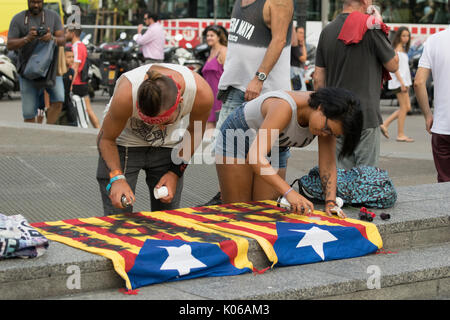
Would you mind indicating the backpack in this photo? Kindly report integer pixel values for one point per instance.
(360, 186)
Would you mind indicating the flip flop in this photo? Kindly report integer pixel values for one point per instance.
(407, 139)
(384, 131)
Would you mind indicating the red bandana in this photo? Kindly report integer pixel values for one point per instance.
(166, 115)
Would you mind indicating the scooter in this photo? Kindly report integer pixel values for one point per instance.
(9, 80)
(185, 56)
(117, 57)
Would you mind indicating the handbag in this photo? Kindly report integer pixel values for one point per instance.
(40, 61)
(62, 67)
(49, 80)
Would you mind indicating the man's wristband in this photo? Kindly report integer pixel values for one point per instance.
(178, 169)
(114, 173)
(118, 177)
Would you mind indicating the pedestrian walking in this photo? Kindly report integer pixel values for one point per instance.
(435, 61)
(80, 85)
(400, 83)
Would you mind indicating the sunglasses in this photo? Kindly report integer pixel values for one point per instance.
(165, 117)
(326, 129)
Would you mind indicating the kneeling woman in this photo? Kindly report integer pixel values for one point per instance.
(253, 147)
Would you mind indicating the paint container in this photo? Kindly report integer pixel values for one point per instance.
(283, 203)
(160, 192)
(339, 202)
(125, 202)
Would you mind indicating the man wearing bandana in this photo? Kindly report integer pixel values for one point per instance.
(149, 125)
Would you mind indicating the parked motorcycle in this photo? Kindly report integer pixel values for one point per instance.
(9, 80)
(117, 57)
(189, 57)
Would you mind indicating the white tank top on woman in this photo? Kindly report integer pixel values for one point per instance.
(137, 133)
(405, 73)
(293, 135)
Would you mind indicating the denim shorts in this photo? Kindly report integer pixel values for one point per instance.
(236, 137)
(31, 95)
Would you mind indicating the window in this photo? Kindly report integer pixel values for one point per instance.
(396, 11)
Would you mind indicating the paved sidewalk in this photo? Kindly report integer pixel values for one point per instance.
(49, 174)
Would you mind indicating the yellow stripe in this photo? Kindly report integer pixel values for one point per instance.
(266, 245)
(241, 260)
(117, 260)
(373, 235)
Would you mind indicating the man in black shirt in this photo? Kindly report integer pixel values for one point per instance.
(358, 67)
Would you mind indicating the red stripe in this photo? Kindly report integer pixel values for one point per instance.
(208, 222)
(104, 231)
(414, 30)
(361, 228)
(229, 247)
(128, 256)
(142, 230)
(423, 30)
(344, 223)
(38, 224)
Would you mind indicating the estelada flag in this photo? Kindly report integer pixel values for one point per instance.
(154, 247)
(287, 238)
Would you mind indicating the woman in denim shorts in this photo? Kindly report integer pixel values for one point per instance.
(253, 147)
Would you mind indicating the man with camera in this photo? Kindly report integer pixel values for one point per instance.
(27, 28)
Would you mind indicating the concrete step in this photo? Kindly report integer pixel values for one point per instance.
(418, 273)
(419, 218)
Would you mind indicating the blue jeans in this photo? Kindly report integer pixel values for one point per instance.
(236, 137)
(31, 96)
(234, 99)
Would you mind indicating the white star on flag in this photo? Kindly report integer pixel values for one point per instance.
(181, 259)
(315, 237)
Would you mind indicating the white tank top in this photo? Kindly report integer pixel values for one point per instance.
(403, 69)
(248, 40)
(137, 133)
(293, 135)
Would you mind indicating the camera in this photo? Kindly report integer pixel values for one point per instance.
(41, 31)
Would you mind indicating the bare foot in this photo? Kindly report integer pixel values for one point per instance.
(405, 139)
